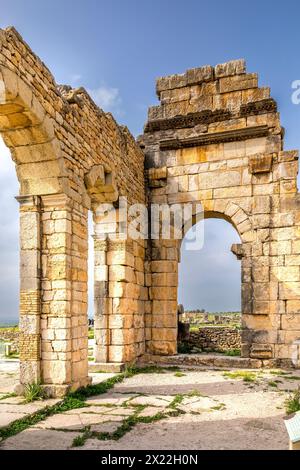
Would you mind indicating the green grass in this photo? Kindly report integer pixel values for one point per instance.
(233, 352)
(241, 374)
(195, 393)
(9, 329)
(272, 384)
(130, 422)
(292, 403)
(178, 399)
(8, 395)
(219, 407)
(179, 374)
(91, 334)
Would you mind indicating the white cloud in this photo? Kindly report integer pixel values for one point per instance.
(107, 98)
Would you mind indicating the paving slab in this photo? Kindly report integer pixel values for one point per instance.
(8, 418)
(40, 439)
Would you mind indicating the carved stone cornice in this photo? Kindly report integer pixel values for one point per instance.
(259, 107)
(188, 120)
(208, 117)
(216, 138)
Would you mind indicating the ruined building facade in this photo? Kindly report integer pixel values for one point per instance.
(215, 138)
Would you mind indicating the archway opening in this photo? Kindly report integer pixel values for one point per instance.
(9, 255)
(209, 292)
(91, 299)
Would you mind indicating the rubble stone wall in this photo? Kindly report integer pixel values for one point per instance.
(216, 339)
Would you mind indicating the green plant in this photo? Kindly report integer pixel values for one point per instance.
(79, 441)
(233, 352)
(8, 395)
(292, 403)
(179, 374)
(91, 334)
(241, 374)
(219, 407)
(33, 392)
(272, 384)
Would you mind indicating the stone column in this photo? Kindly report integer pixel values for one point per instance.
(64, 295)
(125, 305)
(163, 293)
(30, 290)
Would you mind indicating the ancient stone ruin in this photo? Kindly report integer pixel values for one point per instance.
(215, 138)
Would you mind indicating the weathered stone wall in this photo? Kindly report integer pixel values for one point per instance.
(216, 138)
(216, 339)
(70, 157)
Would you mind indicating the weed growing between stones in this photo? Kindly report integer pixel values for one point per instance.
(33, 392)
(179, 374)
(130, 422)
(241, 374)
(8, 395)
(292, 403)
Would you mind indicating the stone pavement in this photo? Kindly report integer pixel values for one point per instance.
(203, 409)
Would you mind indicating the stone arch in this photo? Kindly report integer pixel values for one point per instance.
(28, 132)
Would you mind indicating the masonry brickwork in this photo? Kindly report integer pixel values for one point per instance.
(215, 138)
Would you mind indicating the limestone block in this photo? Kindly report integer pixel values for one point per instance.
(122, 258)
(164, 321)
(56, 372)
(121, 274)
(230, 101)
(289, 290)
(238, 82)
(116, 354)
(125, 306)
(292, 260)
(164, 279)
(163, 293)
(164, 334)
(234, 67)
(232, 192)
(124, 336)
(261, 205)
(255, 94)
(285, 273)
(120, 321)
(172, 96)
(199, 75)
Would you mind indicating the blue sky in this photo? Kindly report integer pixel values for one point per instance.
(116, 49)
